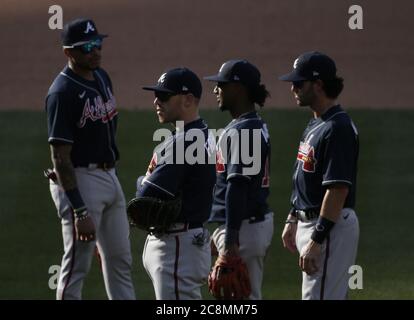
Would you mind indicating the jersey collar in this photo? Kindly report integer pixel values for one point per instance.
(70, 73)
(195, 124)
(247, 115)
(331, 111)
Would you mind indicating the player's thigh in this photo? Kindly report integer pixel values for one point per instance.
(303, 234)
(94, 191)
(344, 239)
(59, 199)
(113, 232)
(196, 253)
(255, 238)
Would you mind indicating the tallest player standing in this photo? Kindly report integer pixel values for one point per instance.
(82, 122)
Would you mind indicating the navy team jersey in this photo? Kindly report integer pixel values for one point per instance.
(258, 184)
(193, 182)
(328, 154)
(83, 113)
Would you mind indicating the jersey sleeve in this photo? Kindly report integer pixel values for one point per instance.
(60, 118)
(236, 202)
(164, 183)
(339, 159)
(166, 179)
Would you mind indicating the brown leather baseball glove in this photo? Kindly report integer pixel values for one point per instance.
(229, 279)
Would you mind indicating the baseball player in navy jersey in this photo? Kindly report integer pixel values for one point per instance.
(240, 197)
(322, 224)
(82, 122)
(178, 261)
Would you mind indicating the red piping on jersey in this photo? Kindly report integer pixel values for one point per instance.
(325, 267)
(177, 255)
(73, 257)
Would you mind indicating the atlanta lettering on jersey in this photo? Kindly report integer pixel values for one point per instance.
(98, 109)
(152, 165)
(220, 162)
(306, 155)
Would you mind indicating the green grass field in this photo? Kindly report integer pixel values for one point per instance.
(30, 238)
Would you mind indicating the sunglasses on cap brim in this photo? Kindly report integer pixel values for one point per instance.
(89, 46)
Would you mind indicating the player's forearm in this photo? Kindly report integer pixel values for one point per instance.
(63, 166)
(67, 179)
(236, 207)
(333, 202)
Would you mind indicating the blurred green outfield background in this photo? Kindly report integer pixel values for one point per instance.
(30, 230)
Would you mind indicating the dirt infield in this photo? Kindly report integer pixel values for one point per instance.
(148, 36)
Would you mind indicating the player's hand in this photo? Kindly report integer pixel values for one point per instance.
(230, 251)
(289, 235)
(85, 229)
(310, 257)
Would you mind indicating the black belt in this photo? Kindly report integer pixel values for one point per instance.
(181, 227)
(306, 215)
(99, 165)
(251, 219)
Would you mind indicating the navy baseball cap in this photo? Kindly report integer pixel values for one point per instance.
(237, 71)
(178, 81)
(80, 31)
(311, 66)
